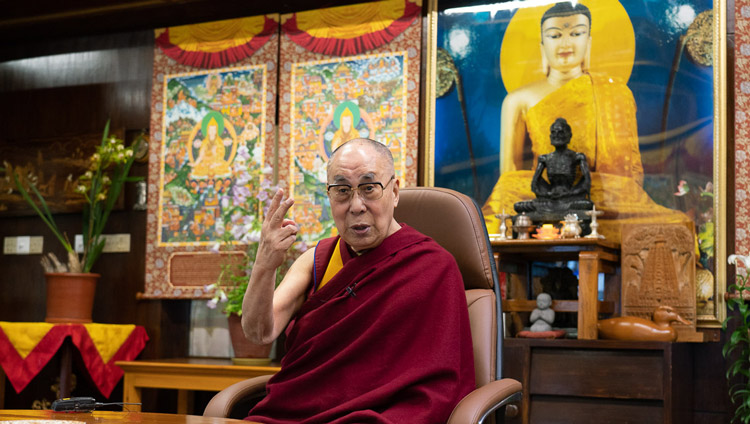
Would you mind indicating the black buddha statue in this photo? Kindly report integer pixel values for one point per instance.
(568, 185)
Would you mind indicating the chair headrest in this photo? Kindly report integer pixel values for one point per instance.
(453, 220)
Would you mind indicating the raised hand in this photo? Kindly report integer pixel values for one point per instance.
(277, 233)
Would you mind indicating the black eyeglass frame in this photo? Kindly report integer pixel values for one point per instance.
(351, 196)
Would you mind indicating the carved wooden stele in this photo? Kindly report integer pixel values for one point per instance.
(658, 268)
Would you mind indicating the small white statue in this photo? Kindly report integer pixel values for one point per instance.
(542, 316)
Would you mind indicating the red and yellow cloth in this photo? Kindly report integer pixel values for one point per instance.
(26, 347)
(216, 44)
(350, 30)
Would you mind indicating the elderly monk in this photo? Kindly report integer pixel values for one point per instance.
(376, 319)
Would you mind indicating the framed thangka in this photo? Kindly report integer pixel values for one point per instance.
(212, 133)
(348, 72)
(642, 85)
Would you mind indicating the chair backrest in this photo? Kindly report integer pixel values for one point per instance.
(454, 221)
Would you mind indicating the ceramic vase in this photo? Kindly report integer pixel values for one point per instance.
(70, 296)
(245, 352)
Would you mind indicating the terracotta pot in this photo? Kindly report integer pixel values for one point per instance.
(243, 348)
(70, 296)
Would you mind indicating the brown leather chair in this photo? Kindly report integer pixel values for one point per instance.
(455, 222)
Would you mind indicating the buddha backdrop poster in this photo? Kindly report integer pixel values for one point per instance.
(641, 109)
(212, 148)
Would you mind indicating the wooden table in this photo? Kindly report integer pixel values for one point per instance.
(111, 417)
(185, 375)
(593, 256)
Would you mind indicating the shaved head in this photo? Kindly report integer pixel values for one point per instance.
(380, 149)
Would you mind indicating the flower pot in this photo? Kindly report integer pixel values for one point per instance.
(245, 352)
(70, 296)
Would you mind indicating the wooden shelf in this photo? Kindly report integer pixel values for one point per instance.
(522, 305)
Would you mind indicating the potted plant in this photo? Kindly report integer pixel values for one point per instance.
(242, 225)
(737, 345)
(71, 284)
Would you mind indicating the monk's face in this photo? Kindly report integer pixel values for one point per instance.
(363, 224)
(212, 130)
(565, 41)
(346, 123)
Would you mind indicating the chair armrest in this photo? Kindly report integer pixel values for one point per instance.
(481, 402)
(222, 403)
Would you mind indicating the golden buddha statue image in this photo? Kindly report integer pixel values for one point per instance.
(346, 117)
(212, 160)
(600, 110)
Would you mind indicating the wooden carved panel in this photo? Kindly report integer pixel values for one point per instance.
(658, 268)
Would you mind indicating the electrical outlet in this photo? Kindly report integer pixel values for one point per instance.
(116, 243)
(9, 245)
(23, 245)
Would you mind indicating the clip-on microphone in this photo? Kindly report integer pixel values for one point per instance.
(81, 404)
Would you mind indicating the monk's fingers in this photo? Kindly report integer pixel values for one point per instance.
(278, 215)
(288, 222)
(287, 242)
(273, 235)
(275, 201)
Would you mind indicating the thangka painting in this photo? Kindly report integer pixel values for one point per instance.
(348, 72)
(212, 132)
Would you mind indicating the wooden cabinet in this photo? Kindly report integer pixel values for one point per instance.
(601, 381)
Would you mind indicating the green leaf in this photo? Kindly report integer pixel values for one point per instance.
(46, 217)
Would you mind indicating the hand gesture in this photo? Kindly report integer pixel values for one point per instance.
(277, 233)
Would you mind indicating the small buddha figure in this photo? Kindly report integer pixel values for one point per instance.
(542, 316)
(346, 130)
(568, 184)
(211, 160)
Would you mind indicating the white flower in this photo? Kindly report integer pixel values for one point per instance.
(224, 297)
(732, 259)
(212, 303)
(209, 287)
(215, 248)
(243, 178)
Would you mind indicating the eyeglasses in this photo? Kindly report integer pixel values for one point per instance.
(343, 193)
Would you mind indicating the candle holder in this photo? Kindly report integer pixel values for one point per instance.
(594, 225)
(503, 230)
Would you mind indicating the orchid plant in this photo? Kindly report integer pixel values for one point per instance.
(101, 186)
(738, 342)
(240, 223)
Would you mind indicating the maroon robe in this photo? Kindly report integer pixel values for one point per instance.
(386, 340)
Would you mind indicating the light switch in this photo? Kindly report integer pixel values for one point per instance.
(116, 243)
(23, 245)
